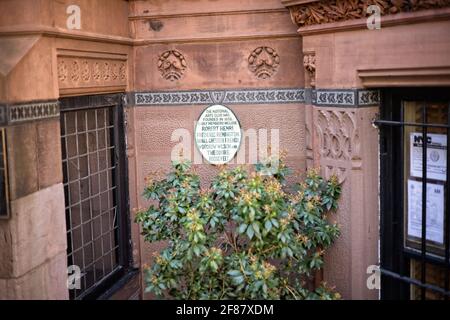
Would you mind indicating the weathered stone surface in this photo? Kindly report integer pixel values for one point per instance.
(49, 153)
(48, 281)
(22, 160)
(38, 229)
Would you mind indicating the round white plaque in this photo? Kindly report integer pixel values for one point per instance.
(218, 134)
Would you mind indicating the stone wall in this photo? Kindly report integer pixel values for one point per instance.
(216, 43)
(342, 55)
(34, 39)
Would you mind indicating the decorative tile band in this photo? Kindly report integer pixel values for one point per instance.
(12, 114)
(369, 97)
(345, 97)
(3, 114)
(238, 96)
(320, 97)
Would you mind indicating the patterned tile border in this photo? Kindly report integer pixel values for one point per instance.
(18, 113)
(345, 97)
(321, 97)
(238, 96)
(369, 97)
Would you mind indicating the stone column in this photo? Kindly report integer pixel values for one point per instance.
(33, 259)
(345, 144)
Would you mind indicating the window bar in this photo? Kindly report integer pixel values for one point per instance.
(90, 194)
(447, 212)
(402, 267)
(83, 268)
(100, 204)
(109, 161)
(409, 123)
(424, 200)
(69, 246)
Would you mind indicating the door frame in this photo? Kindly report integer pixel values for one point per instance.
(394, 259)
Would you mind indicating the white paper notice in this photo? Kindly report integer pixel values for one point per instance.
(435, 211)
(436, 155)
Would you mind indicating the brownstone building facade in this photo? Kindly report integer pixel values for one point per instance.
(92, 91)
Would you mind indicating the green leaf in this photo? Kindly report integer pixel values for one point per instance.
(255, 226)
(214, 266)
(242, 228)
(238, 280)
(234, 273)
(250, 232)
(275, 222)
(196, 250)
(268, 225)
(251, 215)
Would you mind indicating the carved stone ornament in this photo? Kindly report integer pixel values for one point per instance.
(326, 11)
(172, 65)
(263, 62)
(338, 139)
(76, 72)
(309, 62)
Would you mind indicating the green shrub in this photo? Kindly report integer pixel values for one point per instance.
(246, 237)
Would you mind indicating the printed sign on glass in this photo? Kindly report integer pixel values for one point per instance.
(436, 155)
(434, 211)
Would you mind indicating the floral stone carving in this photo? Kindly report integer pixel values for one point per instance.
(338, 139)
(309, 62)
(326, 11)
(172, 65)
(263, 62)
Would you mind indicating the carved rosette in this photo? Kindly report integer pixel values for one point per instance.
(338, 141)
(326, 11)
(263, 62)
(309, 63)
(172, 65)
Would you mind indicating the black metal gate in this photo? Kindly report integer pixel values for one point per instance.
(94, 170)
(414, 134)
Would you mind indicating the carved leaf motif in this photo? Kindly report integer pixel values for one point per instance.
(263, 62)
(172, 65)
(62, 71)
(326, 11)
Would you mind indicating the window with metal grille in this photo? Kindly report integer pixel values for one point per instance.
(414, 193)
(96, 209)
(4, 195)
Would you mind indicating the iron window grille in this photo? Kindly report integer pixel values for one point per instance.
(407, 266)
(95, 187)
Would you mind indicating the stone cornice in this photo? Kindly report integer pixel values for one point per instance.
(88, 36)
(405, 77)
(63, 33)
(290, 3)
(311, 13)
(200, 14)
